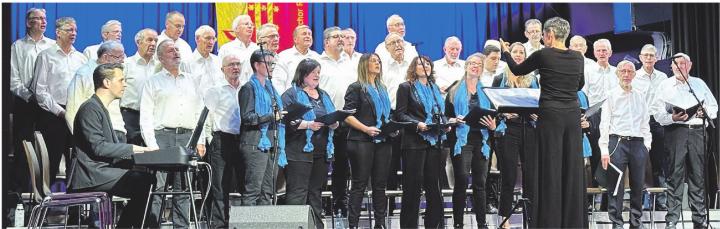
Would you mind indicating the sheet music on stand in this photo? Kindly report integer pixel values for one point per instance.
(514, 100)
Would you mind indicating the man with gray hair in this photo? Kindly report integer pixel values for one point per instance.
(685, 133)
(601, 77)
(203, 64)
(396, 24)
(174, 28)
(54, 68)
(450, 68)
(81, 87)
(269, 37)
(291, 57)
(110, 31)
(534, 35)
(648, 79)
(242, 45)
(139, 68)
(170, 107)
(349, 48)
(23, 54)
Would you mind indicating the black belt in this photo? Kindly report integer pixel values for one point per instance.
(253, 127)
(689, 126)
(178, 130)
(627, 138)
(129, 110)
(220, 133)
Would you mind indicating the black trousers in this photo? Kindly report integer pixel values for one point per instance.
(686, 148)
(133, 185)
(470, 159)
(368, 160)
(58, 140)
(228, 172)
(24, 117)
(508, 155)
(633, 156)
(562, 193)
(422, 170)
(305, 182)
(594, 137)
(394, 180)
(658, 159)
(340, 171)
(132, 126)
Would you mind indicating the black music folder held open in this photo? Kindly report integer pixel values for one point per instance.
(393, 126)
(514, 100)
(593, 110)
(336, 116)
(690, 110)
(295, 111)
(601, 176)
(473, 117)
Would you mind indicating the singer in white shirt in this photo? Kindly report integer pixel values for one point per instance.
(396, 24)
(625, 141)
(450, 68)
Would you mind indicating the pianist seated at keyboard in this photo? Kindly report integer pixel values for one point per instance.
(98, 149)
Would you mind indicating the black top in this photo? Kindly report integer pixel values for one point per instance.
(295, 138)
(97, 147)
(357, 98)
(410, 108)
(561, 71)
(250, 127)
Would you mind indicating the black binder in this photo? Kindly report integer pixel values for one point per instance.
(336, 116)
(391, 127)
(473, 117)
(295, 111)
(690, 111)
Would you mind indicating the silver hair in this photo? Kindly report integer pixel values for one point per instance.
(298, 28)
(559, 26)
(687, 58)
(261, 32)
(140, 35)
(173, 13)
(478, 55)
(532, 21)
(603, 41)
(623, 62)
(203, 29)
(236, 21)
(161, 47)
(108, 46)
(106, 27)
(227, 57)
(649, 47)
(391, 18)
(578, 37)
(328, 31)
(349, 29)
(60, 22)
(31, 11)
(451, 39)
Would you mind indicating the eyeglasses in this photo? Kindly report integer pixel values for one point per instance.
(272, 36)
(648, 55)
(474, 63)
(424, 62)
(398, 24)
(179, 26)
(234, 64)
(271, 64)
(625, 71)
(336, 36)
(38, 18)
(118, 57)
(397, 42)
(249, 25)
(72, 30)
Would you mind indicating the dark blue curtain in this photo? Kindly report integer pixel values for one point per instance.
(133, 16)
(429, 23)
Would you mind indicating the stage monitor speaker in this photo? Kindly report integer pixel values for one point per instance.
(284, 216)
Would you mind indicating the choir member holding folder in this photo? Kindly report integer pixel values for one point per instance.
(308, 145)
(419, 102)
(470, 141)
(368, 149)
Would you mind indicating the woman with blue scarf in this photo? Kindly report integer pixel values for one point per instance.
(470, 141)
(309, 146)
(509, 145)
(256, 131)
(418, 100)
(369, 151)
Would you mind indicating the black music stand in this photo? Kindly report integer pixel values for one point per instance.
(522, 101)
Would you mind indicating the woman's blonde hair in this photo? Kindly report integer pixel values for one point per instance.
(454, 88)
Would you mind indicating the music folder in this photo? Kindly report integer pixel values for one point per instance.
(593, 110)
(473, 117)
(295, 111)
(514, 100)
(601, 176)
(336, 116)
(393, 126)
(689, 110)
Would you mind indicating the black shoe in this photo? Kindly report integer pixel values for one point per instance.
(661, 207)
(700, 225)
(617, 226)
(458, 225)
(491, 209)
(670, 225)
(380, 224)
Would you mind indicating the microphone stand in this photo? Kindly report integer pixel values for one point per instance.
(706, 120)
(438, 116)
(275, 125)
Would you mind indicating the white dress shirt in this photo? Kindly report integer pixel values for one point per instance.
(23, 54)
(180, 44)
(81, 88)
(137, 72)
(646, 83)
(624, 114)
(678, 93)
(335, 77)
(529, 48)
(289, 59)
(354, 59)
(393, 75)
(207, 69)
(487, 78)
(598, 82)
(238, 48)
(381, 50)
(90, 52)
(222, 102)
(169, 102)
(446, 73)
(53, 71)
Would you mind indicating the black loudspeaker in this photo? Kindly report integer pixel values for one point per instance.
(285, 216)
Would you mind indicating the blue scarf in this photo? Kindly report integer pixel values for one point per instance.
(263, 106)
(381, 101)
(303, 98)
(533, 84)
(427, 97)
(587, 151)
(462, 107)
